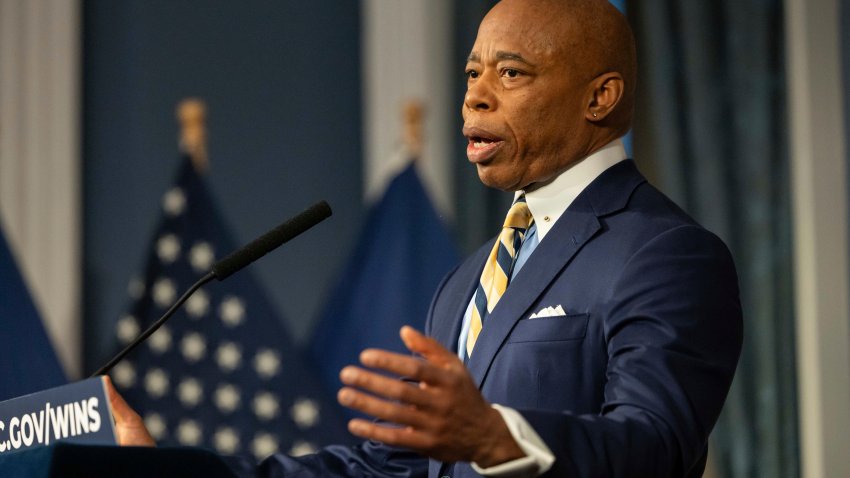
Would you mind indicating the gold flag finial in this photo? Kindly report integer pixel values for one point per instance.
(413, 114)
(192, 115)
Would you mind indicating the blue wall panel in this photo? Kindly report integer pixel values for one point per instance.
(282, 84)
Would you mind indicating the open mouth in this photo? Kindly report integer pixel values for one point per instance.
(481, 149)
(482, 145)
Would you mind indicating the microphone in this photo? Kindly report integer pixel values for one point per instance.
(271, 240)
(233, 263)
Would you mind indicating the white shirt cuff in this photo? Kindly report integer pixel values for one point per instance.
(538, 459)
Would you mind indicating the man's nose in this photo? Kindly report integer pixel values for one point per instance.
(479, 95)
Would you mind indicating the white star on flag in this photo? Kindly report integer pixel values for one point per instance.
(168, 248)
(136, 288)
(193, 347)
(127, 329)
(174, 202)
(263, 445)
(227, 398)
(232, 311)
(301, 448)
(190, 392)
(201, 256)
(305, 412)
(226, 440)
(124, 374)
(156, 383)
(266, 363)
(160, 341)
(155, 425)
(189, 432)
(198, 305)
(164, 292)
(265, 406)
(228, 356)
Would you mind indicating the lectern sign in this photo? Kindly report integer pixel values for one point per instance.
(78, 412)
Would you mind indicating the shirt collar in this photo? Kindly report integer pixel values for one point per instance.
(548, 202)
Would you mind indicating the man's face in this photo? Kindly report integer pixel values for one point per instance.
(525, 103)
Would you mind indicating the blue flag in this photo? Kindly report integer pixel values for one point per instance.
(222, 373)
(402, 254)
(27, 359)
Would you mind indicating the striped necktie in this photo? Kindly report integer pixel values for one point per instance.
(497, 271)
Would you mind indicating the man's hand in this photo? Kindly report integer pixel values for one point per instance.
(444, 416)
(129, 427)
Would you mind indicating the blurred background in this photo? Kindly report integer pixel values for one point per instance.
(741, 118)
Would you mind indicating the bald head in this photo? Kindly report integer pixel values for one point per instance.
(591, 36)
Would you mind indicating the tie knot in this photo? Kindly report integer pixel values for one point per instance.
(519, 216)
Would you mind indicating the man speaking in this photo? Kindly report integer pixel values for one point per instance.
(597, 335)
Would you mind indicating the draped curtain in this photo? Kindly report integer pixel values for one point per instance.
(711, 131)
(845, 41)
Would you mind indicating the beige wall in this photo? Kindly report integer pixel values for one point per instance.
(40, 159)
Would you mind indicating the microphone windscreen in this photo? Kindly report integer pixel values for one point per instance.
(271, 240)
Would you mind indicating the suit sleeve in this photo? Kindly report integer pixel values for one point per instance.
(673, 331)
(368, 459)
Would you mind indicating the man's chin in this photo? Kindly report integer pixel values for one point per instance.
(490, 177)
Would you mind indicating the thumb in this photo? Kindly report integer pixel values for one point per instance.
(120, 409)
(129, 428)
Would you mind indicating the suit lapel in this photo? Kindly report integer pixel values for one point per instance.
(607, 194)
(571, 232)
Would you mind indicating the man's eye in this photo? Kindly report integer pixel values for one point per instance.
(510, 73)
(471, 74)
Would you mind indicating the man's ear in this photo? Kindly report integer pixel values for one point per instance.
(605, 94)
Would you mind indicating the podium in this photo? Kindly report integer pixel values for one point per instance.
(92, 461)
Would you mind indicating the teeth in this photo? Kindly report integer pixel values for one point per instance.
(481, 142)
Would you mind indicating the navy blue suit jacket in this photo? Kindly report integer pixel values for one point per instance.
(631, 381)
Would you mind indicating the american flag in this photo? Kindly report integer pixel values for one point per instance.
(222, 373)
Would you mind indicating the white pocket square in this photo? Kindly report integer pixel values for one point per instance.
(549, 312)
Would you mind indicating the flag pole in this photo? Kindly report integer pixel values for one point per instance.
(192, 115)
(413, 113)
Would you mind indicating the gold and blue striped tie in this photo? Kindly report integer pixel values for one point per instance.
(497, 271)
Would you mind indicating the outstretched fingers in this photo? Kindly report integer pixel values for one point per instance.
(406, 366)
(385, 410)
(407, 437)
(387, 387)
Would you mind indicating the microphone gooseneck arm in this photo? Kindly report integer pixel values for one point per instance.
(156, 325)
